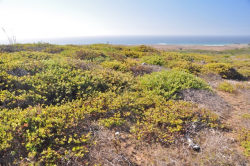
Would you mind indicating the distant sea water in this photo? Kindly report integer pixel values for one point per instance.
(131, 40)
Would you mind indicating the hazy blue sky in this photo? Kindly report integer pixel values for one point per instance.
(70, 18)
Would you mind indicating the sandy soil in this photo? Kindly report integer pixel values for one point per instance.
(198, 47)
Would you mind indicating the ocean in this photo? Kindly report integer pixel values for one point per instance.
(131, 40)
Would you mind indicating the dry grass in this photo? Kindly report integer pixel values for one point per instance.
(108, 149)
(216, 149)
(146, 69)
(207, 100)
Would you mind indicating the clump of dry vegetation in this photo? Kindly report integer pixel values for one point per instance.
(207, 99)
(115, 105)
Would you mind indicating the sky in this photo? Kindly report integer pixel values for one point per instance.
(34, 19)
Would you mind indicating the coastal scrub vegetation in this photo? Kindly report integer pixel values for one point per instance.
(117, 105)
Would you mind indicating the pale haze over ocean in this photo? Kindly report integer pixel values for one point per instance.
(162, 40)
(208, 22)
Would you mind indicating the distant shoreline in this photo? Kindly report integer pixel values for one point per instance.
(192, 46)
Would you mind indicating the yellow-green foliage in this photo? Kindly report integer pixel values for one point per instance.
(246, 116)
(167, 121)
(144, 48)
(54, 81)
(135, 54)
(153, 60)
(116, 65)
(186, 66)
(167, 83)
(223, 69)
(116, 56)
(53, 49)
(47, 134)
(226, 86)
(87, 55)
(47, 110)
(245, 140)
(243, 67)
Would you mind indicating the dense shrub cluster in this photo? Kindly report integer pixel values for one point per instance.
(87, 55)
(223, 69)
(54, 99)
(153, 60)
(168, 83)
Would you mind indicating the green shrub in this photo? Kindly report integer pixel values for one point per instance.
(153, 60)
(168, 121)
(58, 82)
(245, 72)
(246, 116)
(226, 86)
(116, 56)
(135, 54)
(167, 83)
(88, 54)
(116, 65)
(186, 66)
(48, 135)
(223, 69)
(244, 137)
(53, 49)
(144, 48)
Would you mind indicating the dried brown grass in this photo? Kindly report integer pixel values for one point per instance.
(140, 70)
(216, 150)
(207, 100)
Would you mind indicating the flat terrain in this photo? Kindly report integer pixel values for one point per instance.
(198, 47)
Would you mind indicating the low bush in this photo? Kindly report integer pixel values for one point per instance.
(223, 69)
(186, 66)
(168, 121)
(58, 108)
(116, 56)
(88, 54)
(58, 82)
(116, 65)
(226, 87)
(51, 135)
(168, 83)
(135, 54)
(246, 116)
(244, 137)
(53, 49)
(153, 60)
(144, 48)
(10, 48)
